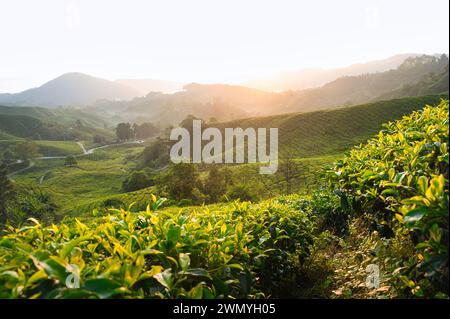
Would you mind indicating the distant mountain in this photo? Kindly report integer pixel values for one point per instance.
(416, 76)
(315, 77)
(145, 86)
(70, 89)
(353, 90)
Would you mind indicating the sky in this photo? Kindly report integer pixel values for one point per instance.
(228, 41)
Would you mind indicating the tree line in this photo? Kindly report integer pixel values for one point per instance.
(128, 131)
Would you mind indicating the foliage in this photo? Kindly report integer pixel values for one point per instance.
(400, 181)
(31, 202)
(26, 150)
(124, 131)
(70, 161)
(241, 192)
(215, 184)
(6, 193)
(156, 154)
(144, 130)
(181, 180)
(238, 251)
(99, 139)
(137, 180)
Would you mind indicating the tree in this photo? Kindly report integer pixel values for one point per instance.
(156, 154)
(70, 161)
(26, 150)
(6, 193)
(144, 130)
(215, 184)
(241, 192)
(8, 157)
(137, 180)
(124, 131)
(98, 139)
(181, 180)
(135, 129)
(188, 122)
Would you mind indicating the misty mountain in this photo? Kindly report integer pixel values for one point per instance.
(221, 101)
(430, 84)
(315, 77)
(353, 90)
(419, 75)
(145, 86)
(70, 89)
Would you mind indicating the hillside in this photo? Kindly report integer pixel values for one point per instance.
(432, 83)
(336, 130)
(62, 116)
(353, 90)
(314, 140)
(228, 102)
(386, 205)
(309, 78)
(70, 89)
(58, 124)
(223, 102)
(29, 127)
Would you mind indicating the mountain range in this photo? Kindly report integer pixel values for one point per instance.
(315, 77)
(417, 75)
(70, 89)
(139, 100)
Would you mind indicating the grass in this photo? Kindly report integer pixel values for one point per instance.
(58, 148)
(94, 176)
(47, 148)
(314, 139)
(51, 124)
(62, 116)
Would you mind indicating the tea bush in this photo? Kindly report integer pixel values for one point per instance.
(242, 250)
(399, 181)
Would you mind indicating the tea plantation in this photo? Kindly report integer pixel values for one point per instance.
(386, 205)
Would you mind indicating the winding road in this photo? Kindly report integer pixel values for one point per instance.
(85, 152)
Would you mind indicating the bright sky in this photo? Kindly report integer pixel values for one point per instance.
(207, 41)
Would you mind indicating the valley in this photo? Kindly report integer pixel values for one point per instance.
(362, 160)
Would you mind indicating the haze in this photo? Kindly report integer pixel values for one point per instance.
(207, 41)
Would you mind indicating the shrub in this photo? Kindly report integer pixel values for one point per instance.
(240, 250)
(399, 179)
(241, 192)
(137, 180)
(70, 161)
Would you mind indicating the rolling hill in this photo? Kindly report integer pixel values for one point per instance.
(417, 75)
(62, 116)
(314, 140)
(334, 131)
(59, 124)
(70, 89)
(353, 90)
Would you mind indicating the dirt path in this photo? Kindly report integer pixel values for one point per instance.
(30, 165)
